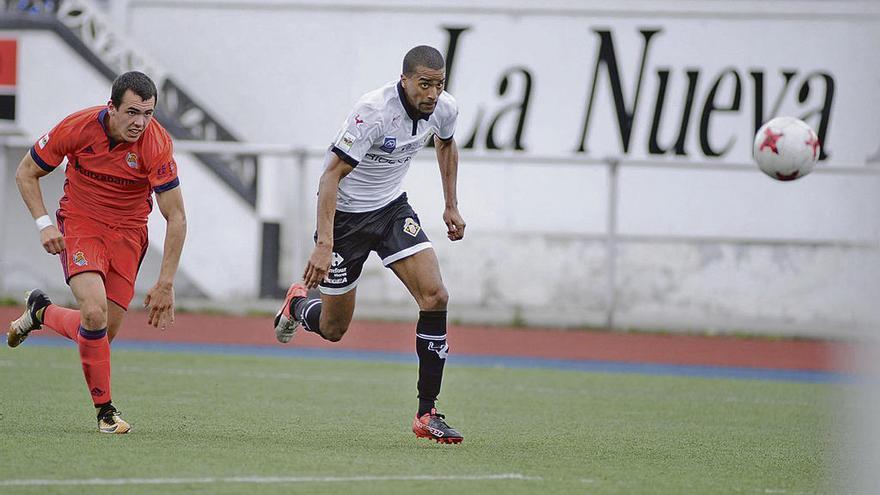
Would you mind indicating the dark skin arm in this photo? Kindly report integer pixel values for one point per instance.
(322, 255)
(447, 158)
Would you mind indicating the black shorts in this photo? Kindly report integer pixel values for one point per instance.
(393, 231)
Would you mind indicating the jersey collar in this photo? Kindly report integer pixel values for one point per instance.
(112, 142)
(101, 115)
(411, 111)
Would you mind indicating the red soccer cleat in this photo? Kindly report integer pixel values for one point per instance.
(432, 425)
(285, 323)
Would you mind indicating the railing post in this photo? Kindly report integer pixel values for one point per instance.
(4, 212)
(300, 216)
(611, 243)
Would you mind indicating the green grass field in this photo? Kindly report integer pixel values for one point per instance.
(328, 426)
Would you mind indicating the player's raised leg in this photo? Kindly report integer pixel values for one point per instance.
(94, 348)
(420, 273)
(329, 316)
(64, 321)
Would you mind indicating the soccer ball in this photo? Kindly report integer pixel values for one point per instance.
(786, 148)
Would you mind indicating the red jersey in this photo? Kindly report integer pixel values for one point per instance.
(111, 185)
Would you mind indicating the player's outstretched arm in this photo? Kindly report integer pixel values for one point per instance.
(447, 157)
(160, 298)
(319, 262)
(27, 177)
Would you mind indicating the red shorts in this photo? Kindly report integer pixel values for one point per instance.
(115, 253)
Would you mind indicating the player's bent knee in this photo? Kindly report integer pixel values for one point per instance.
(94, 316)
(333, 333)
(333, 330)
(435, 299)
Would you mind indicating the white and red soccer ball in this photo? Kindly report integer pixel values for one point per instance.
(786, 148)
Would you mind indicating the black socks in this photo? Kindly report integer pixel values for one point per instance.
(432, 349)
(307, 312)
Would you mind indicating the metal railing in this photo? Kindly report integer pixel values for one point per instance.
(612, 237)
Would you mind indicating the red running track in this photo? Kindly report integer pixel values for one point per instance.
(498, 341)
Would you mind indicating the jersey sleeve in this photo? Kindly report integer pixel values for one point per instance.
(49, 151)
(447, 124)
(163, 175)
(361, 129)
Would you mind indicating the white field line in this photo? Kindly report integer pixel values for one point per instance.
(261, 480)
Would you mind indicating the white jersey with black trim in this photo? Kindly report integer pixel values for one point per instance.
(379, 139)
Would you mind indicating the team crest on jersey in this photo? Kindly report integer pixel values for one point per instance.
(411, 227)
(44, 141)
(79, 259)
(389, 144)
(131, 159)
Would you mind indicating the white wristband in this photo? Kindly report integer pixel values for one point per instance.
(43, 222)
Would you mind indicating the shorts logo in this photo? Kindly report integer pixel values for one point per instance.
(44, 141)
(337, 275)
(131, 159)
(345, 142)
(337, 260)
(389, 144)
(442, 350)
(79, 259)
(411, 227)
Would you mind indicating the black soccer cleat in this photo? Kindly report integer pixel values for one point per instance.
(432, 425)
(19, 329)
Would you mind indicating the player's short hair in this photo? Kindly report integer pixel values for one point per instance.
(424, 56)
(138, 82)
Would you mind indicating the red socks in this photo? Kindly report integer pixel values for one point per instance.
(94, 352)
(94, 349)
(64, 321)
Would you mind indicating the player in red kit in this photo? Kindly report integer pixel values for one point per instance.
(117, 157)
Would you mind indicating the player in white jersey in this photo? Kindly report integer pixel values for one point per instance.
(379, 139)
(362, 208)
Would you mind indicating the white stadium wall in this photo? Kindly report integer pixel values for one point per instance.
(700, 241)
(54, 82)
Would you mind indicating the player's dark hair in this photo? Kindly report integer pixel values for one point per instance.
(424, 56)
(138, 82)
